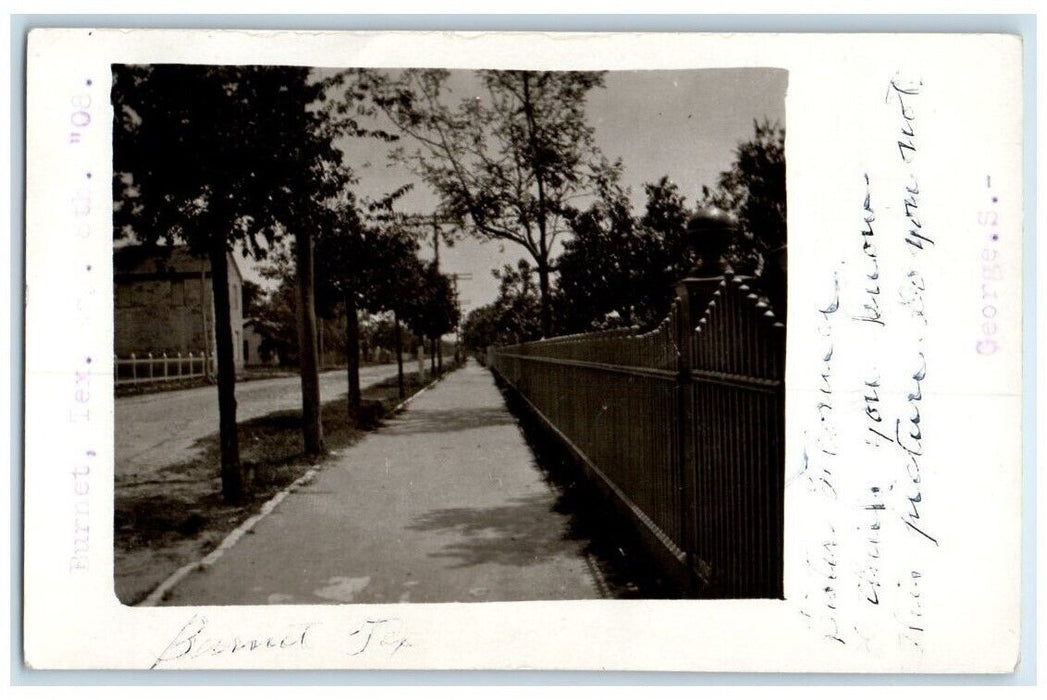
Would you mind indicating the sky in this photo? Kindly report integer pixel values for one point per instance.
(683, 124)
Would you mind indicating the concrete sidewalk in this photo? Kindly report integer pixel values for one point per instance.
(442, 504)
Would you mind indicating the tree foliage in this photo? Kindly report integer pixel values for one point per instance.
(217, 158)
(619, 269)
(509, 163)
(367, 263)
(378, 332)
(276, 321)
(216, 153)
(432, 309)
(754, 188)
(253, 296)
(512, 317)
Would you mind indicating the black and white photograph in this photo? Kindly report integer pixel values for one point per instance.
(425, 335)
(587, 351)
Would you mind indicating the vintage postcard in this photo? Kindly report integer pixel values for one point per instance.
(402, 350)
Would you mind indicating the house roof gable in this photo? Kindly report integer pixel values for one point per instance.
(158, 260)
(161, 261)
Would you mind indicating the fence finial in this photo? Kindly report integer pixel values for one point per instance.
(710, 231)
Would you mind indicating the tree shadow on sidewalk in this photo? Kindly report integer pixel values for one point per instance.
(419, 421)
(515, 534)
(518, 533)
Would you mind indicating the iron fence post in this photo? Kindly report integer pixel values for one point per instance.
(693, 293)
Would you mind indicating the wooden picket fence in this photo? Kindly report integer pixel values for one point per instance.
(162, 367)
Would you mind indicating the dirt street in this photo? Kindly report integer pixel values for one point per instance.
(154, 431)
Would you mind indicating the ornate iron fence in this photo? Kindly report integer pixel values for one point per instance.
(684, 425)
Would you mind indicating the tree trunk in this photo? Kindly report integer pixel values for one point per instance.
(320, 339)
(232, 472)
(398, 342)
(352, 351)
(439, 355)
(546, 307)
(539, 178)
(432, 356)
(308, 356)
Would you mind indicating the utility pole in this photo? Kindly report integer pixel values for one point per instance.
(436, 222)
(399, 346)
(436, 242)
(455, 276)
(437, 349)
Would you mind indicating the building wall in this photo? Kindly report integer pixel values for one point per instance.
(253, 355)
(236, 310)
(173, 313)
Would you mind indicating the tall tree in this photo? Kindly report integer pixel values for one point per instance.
(366, 263)
(291, 324)
(506, 164)
(217, 158)
(375, 261)
(432, 310)
(277, 322)
(346, 103)
(340, 283)
(512, 317)
(619, 270)
(601, 266)
(753, 187)
(396, 289)
(754, 190)
(308, 347)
